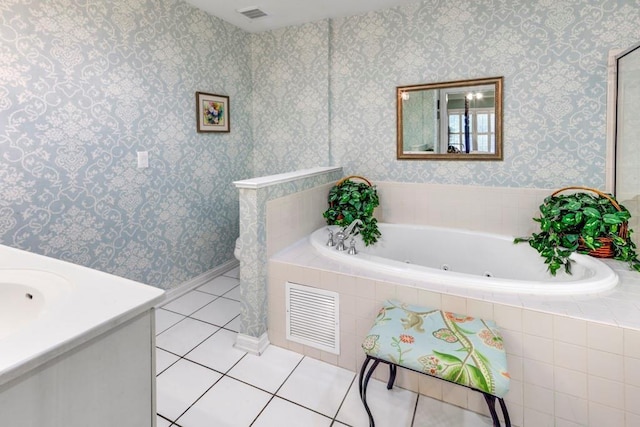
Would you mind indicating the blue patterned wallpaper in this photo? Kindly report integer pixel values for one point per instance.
(291, 98)
(553, 55)
(83, 86)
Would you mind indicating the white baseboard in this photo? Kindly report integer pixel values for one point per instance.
(251, 344)
(190, 284)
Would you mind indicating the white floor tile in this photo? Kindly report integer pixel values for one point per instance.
(180, 385)
(434, 413)
(233, 294)
(166, 319)
(229, 403)
(219, 312)
(233, 273)
(280, 413)
(219, 286)
(184, 336)
(234, 325)
(393, 407)
(317, 385)
(267, 371)
(312, 384)
(189, 302)
(217, 351)
(161, 422)
(164, 360)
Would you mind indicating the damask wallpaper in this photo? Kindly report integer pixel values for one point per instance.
(552, 53)
(83, 86)
(291, 98)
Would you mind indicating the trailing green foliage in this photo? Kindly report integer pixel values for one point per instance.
(568, 220)
(354, 200)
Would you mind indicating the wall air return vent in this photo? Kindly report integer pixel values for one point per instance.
(313, 317)
(252, 12)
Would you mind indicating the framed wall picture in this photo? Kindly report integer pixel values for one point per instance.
(213, 112)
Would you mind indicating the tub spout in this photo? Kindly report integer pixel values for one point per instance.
(349, 230)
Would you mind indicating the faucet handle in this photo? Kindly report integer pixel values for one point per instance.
(340, 236)
(330, 241)
(352, 247)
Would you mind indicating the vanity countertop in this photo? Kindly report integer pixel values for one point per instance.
(78, 304)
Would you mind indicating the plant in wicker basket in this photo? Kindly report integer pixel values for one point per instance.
(349, 201)
(583, 223)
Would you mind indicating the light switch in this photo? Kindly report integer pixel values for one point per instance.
(143, 159)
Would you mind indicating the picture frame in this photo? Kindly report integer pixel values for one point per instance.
(212, 112)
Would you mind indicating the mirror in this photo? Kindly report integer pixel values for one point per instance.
(459, 120)
(627, 128)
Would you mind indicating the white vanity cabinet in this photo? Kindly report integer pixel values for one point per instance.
(84, 356)
(107, 381)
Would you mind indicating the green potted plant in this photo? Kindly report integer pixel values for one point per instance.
(350, 201)
(583, 223)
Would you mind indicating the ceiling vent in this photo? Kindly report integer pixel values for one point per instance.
(252, 12)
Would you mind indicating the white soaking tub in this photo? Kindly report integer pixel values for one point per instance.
(468, 259)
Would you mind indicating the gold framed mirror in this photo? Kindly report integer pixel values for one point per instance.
(457, 120)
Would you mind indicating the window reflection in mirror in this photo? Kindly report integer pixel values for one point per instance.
(459, 120)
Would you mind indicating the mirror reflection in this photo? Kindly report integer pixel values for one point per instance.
(459, 120)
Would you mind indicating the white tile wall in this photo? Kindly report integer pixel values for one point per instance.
(496, 209)
(294, 216)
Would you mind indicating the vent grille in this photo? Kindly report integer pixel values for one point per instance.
(313, 317)
(252, 12)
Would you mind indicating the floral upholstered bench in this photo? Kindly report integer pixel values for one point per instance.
(453, 347)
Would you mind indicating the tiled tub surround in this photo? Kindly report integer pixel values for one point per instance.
(574, 361)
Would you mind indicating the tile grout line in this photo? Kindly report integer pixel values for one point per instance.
(415, 410)
(182, 357)
(198, 309)
(275, 394)
(200, 397)
(200, 320)
(335, 417)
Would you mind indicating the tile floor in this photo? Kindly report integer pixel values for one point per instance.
(204, 382)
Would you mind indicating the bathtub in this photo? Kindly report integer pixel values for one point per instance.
(468, 259)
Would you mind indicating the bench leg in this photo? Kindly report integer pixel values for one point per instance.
(491, 403)
(392, 375)
(363, 381)
(365, 376)
(505, 413)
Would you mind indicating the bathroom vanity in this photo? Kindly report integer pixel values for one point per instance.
(76, 345)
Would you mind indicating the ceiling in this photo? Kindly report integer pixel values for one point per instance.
(284, 13)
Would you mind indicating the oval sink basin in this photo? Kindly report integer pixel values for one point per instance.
(24, 295)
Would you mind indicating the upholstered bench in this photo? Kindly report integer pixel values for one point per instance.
(453, 347)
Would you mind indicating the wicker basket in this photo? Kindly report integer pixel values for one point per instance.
(340, 182)
(606, 250)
